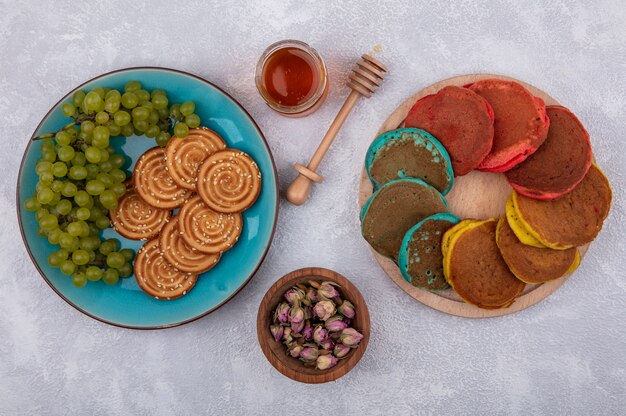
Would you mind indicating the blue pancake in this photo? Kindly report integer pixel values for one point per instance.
(394, 208)
(420, 258)
(409, 153)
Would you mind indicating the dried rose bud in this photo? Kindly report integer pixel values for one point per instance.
(341, 350)
(287, 338)
(334, 336)
(324, 309)
(295, 350)
(311, 295)
(308, 312)
(327, 290)
(346, 309)
(324, 362)
(327, 344)
(335, 323)
(309, 354)
(294, 296)
(350, 337)
(296, 327)
(282, 313)
(319, 334)
(307, 332)
(277, 332)
(296, 315)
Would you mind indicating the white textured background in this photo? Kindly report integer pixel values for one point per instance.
(566, 355)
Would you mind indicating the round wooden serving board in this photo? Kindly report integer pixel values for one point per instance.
(478, 195)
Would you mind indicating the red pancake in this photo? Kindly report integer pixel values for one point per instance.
(520, 126)
(559, 164)
(461, 120)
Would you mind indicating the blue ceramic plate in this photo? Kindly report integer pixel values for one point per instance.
(125, 304)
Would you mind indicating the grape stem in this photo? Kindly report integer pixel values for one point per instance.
(77, 120)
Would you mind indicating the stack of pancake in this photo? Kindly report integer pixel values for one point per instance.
(559, 200)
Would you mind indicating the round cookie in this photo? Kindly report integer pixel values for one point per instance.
(461, 120)
(157, 277)
(520, 123)
(531, 264)
(571, 220)
(394, 208)
(420, 258)
(180, 254)
(134, 218)
(475, 269)
(206, 230)
(154, 185)
(229, 181)
(409, 153)
(184, 156)
(559, 164)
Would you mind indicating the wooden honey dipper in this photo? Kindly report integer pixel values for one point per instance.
(366, 77)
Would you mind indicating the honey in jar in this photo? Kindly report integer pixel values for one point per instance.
(291, 77)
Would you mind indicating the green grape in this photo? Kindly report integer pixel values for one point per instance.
(31, 204)
(85, 230)
(95, 187)
(100, 91)
(106, 179)
(43, 166)
(118, 189)
(66, 153)
(54, 260)
(74, 228)
(93, 100)
(188, 107)
(80, 257)
(42, 185)
(181, 130)
(117, 160)
(59, 169)
(130, 100)
(57, 185)
(147, 104)
(143, 95)
(163, 138)
(112, 105)
(63, 254)
(49, 155)
(54, 235)
(164, 113)
(41, 232)
(67, 267)
(100, 137)
(64, 207)
(127, 253)
(121, 118)
(126, 270)
(82, 198)
(110, 276)
(92, 170)
(40, 213)
(83, 108)
(62, 138)
(45, 196)
(140, 113)
(102, 117)
(78, 97)
(127, 130)
(93, 273)
(115, 260)
(87, 126)
(69, 189)
(68, 110)
(156, 92)
(77, 172)
(104, 155)
(192, 120)
(103, 222)
(93, 154)
(46, 144)
(132, 86)
(113, 94)
(79, 159)
(48, 222)
(82, 213)
(153, 118)
(153, 131)
(96, 212)
(56, 197)
(46, 177)
(159, 101)
(108, 199)
(140, 125)
(89, 243)
(118, 175)
(108, 246)
(114, 129)
(79, 279)
(66, 240)
(175, 111)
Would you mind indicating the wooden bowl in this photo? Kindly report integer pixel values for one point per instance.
(276, 352)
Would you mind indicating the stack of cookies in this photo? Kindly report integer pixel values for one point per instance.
(559, 200)
(210, 185)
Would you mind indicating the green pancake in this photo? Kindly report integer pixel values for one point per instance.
(396, 207)
(409, 153)
(420, 258)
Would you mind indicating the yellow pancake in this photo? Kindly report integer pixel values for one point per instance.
(518, 227)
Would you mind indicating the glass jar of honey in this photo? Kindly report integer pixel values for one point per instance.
(292, 78)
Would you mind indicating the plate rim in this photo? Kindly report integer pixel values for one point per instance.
(232, 295)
